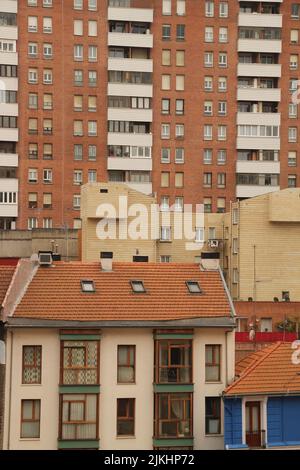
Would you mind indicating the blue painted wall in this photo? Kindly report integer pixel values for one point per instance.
(283, 421)
(233, 422)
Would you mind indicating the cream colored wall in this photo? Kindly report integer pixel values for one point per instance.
(203, 389)
(47, 392)
(142, 390)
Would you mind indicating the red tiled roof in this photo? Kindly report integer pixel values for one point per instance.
(6, 274)
(270, 370)
(55, 293)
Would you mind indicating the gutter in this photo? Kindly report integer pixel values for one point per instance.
(233, 313)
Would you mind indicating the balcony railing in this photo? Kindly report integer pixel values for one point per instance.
(265, 336)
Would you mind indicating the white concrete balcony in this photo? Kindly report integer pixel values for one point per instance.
(258, 167)
(145, 188)
(9, 135)
(8, 32)
(244, 191)
(7, 83)
(9, 6)
(125, 114)
(9, 58)
(144, 15)
(8, 210)
(259, 94)
(258, 143)
(259, 119)
(129, 89)
(259, 45)
(134, 140)
(259, 70)
(130, 65)
(129, 164)
(9, 159)
(9, 109)
(260, 20)
(9, 185)
(130, 40)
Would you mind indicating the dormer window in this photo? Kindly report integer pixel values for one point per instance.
(138, 287)
(194, 287)
(87, 286)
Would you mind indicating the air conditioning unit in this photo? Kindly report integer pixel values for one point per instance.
(213, 243)
(45, 259)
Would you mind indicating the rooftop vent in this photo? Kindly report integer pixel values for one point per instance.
(45, 258)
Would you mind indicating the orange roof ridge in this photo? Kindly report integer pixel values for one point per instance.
(251, 367)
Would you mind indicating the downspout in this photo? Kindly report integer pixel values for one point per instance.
(10, 389)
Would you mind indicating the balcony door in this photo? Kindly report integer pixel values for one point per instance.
(253, 424)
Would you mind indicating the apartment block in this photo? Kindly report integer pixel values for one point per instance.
(186, 100)
(9, 184)
(131, 356)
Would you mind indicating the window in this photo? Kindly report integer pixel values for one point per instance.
(292, 181)
(166, 7)
(138, 287)
(294, 36)
(77, 177)
(78, 52)
(179, 180)
(166, 82)
(47, 101)
(30, 418)
(222, 59)
(166, 57)
(207, 156)
(47, 223)
(32, 200)
(179, 82)
(78, 27)
(208, 83)
(92, 152)
(32, 24)
(295, 9)
(165, 234)
(293, 110)
(235, 246)
(179, 107)
(126, 364)
(199, 236)
(47, 126)
(78, 128)
(165, 131)
(92, 128)
(194, 287)
(78, 416)
(78, 102)
(80, 361)
(180, 7)
(173, 361)
(207, 180)
(173, 415)
(180, 32)
(47, 76)
(92, 78)
(179, 155)
(47, 200)
(33, 151)
(209, 34)
(222, 108)
(165, 179)
(221, 180)
(292, 158)
(212, 362)
(78, 4)
(209, 9)
(125, 416)
(47, 3)
(165, 259)
(93, 53)
(207, 132)
(223, 9)
(32, 363)
(208, 59)
(48, 51)
(292, 134)
(223, 34)
(92, 28)
(47, 25)
(165, 155)
(32, 49)
(32, 126)
(92, 176)
(166, 32)
(165, 106)
(32, 175)
(32, 223)
(180, 58)
(208, 108)
(179, 131)
(221, 157)
(293, 61)
(165, 203)
(235, 276)
(47, 151)
(178, 206)
(212, 415)
(222, 84)
(33, 101)
(87, 286)
(78, 77)
(265, 324)
(235, 216)
(221, 205)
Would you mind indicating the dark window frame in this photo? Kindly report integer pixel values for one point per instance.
(35, 365)
(214, 363)
(175, 368)
(128, 365)
(128, 417)
(35, 402)
(186, 398)
(78, 369)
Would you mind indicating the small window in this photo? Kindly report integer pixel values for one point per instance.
(138, 287)
(106, 255)
(194, 287)
(87, 286)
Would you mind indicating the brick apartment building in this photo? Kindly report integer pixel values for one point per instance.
(188, 99)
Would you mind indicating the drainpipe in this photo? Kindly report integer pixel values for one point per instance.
(10, 389)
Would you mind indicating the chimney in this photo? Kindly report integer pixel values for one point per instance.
(210, 261)
(106, 264)
(106, 258)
